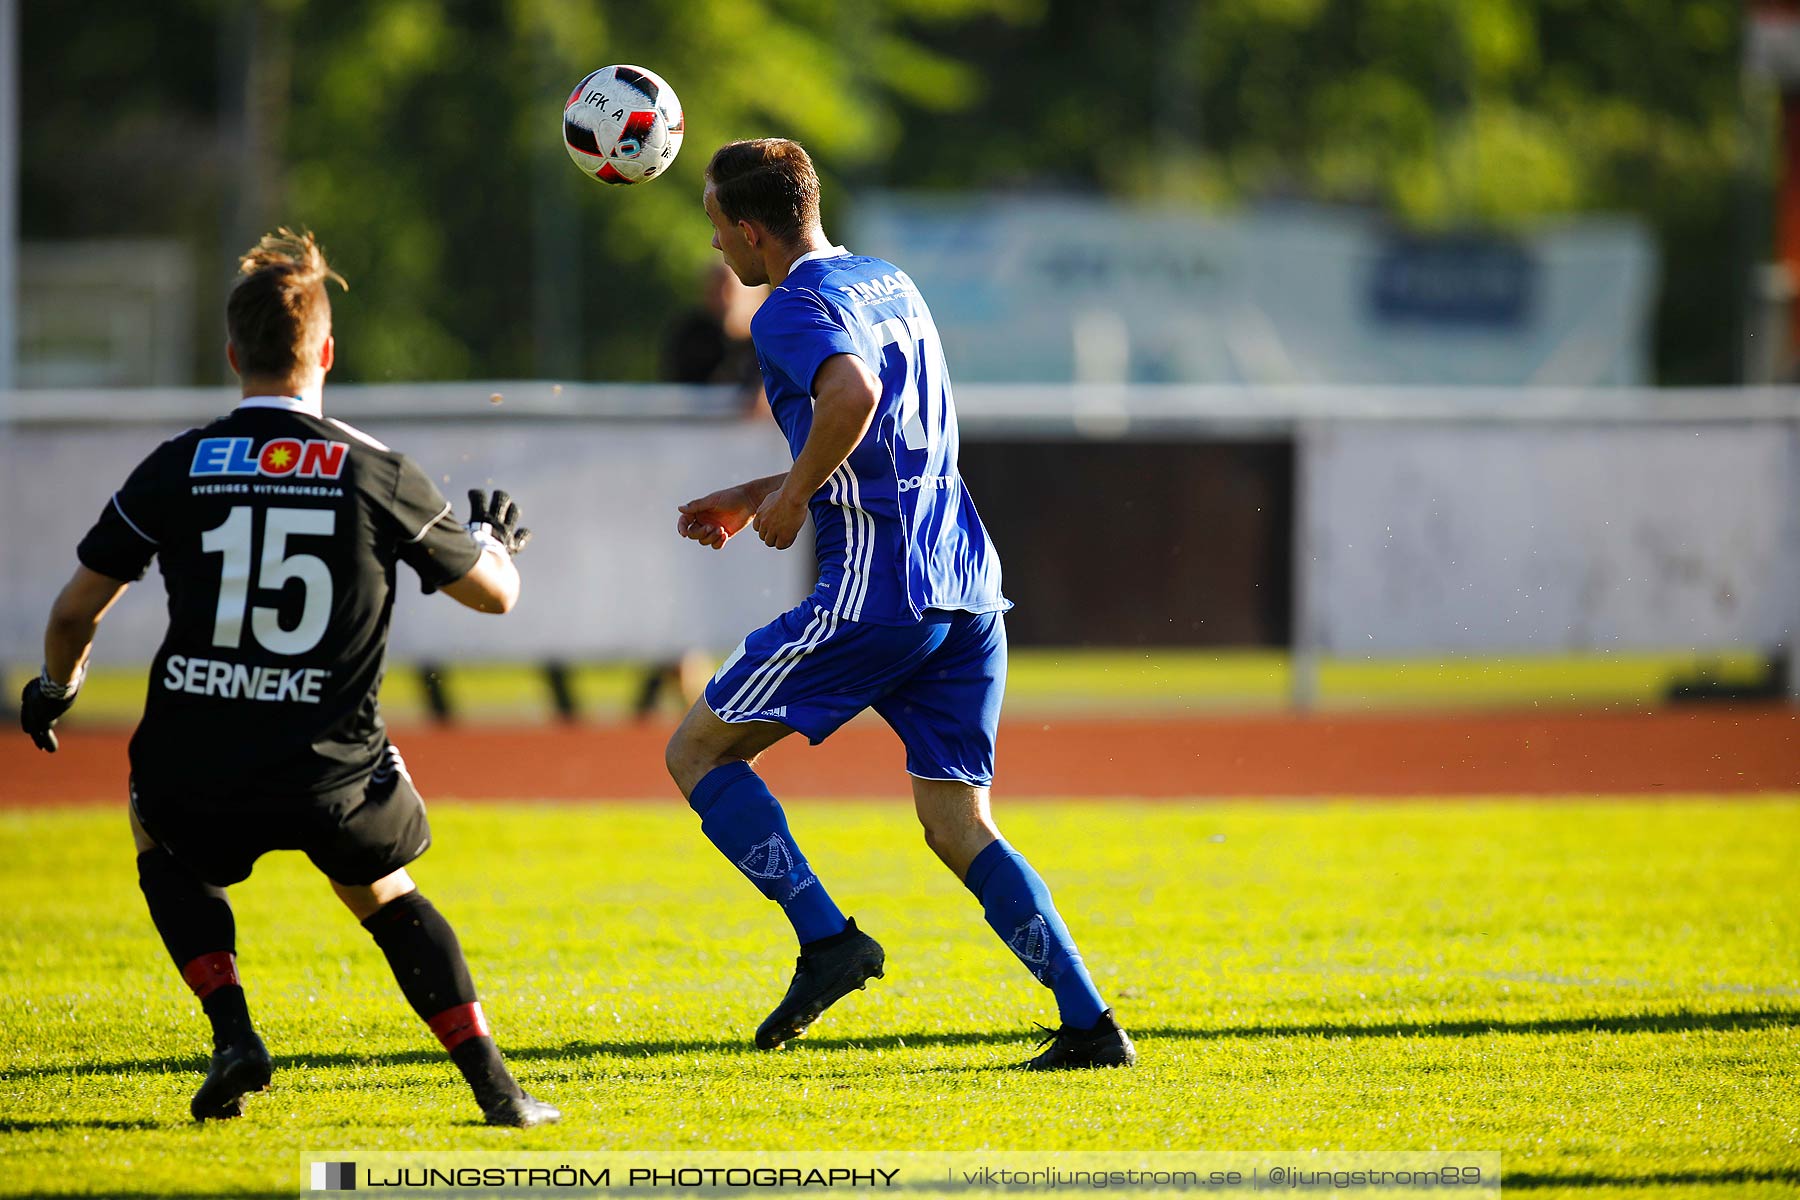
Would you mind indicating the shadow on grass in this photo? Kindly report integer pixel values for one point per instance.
(58, 1126)
(195, 1064)
(1670, 1022)
(1673, 1022)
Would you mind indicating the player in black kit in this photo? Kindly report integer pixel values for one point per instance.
(278, 530)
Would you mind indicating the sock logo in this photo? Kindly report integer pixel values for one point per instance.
(768, 859)
(334, 1177)
(798, 888)
(1031, 942)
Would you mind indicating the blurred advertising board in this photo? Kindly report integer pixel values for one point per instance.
(1069, 289)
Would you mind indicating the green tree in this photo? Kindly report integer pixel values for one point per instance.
(1442, 113)
(421, 138)
(422, 141)
(429, 144)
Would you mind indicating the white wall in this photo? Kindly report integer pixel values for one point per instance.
(1428, 520)
(605, 575)
(1440, 537)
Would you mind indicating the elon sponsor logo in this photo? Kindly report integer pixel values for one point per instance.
(282, 458)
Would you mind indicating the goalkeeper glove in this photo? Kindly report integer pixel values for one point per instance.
(495, 520)
(43, 704)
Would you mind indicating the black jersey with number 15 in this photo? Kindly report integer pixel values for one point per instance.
(277, 532)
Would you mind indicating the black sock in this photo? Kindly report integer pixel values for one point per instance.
(195, 922)
(193, 917)
(427, 961)
(481, 1065)
(229, 1013)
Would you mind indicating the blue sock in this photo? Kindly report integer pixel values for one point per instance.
(1018, 906)
(743, 819)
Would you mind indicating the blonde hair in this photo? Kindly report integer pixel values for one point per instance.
(278, 315)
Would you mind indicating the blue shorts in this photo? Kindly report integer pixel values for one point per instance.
(938, 683)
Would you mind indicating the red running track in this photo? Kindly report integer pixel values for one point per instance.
(1736, 749)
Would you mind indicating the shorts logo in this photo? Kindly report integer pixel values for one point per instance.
(770, 859)
(314, 458)
(778, 713)
(389, 764)
(1031, 942)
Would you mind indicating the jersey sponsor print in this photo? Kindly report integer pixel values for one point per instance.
(278, 533)
(895, 529)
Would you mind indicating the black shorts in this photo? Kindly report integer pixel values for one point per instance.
(355, 835)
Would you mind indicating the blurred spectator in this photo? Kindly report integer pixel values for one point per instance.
(711, 343)
(707, 344)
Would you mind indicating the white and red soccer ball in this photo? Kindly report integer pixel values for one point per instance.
(623, 124)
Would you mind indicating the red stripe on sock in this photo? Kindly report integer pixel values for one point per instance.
(454, 1026)
(210, 972)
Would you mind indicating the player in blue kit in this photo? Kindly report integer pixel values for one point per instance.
(907, 617)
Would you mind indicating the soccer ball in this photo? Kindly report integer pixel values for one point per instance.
(623, 125)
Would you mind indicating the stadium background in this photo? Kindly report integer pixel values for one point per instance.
(1369, 399)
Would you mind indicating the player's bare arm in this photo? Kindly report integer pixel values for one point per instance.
(68, 639)
(74, 619)
(845, 396)
(491, 586)
(714, 519)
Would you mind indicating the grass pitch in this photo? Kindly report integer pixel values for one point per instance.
(1608, 994)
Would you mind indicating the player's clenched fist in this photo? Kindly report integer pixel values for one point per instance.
(496, 519)
(779, 519)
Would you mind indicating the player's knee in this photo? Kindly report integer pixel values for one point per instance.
(140, 838)
(365, 900)
(940, 831)
(934, 840)
(359, 900)
(956, 830)
(682, 759)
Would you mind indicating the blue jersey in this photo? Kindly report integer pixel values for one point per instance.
(895, 529)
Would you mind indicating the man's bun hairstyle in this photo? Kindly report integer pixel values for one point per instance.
(278, 316)
(767, 180)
